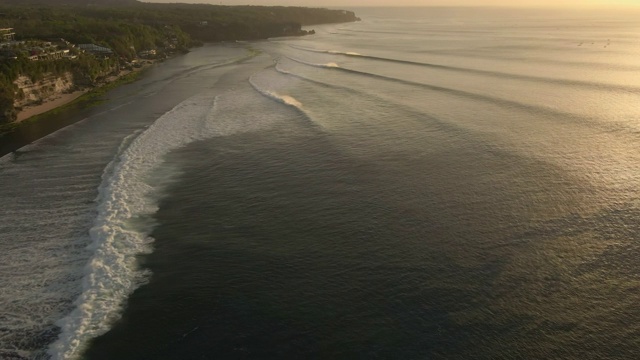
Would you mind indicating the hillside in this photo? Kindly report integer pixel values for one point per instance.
(68, 2)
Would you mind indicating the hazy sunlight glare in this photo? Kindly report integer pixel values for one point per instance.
(346, 3)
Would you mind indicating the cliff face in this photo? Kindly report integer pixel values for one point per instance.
(30, 93)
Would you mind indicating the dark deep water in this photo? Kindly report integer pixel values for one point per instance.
(424, 184)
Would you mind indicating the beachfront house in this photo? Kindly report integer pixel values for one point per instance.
(96, 50)
(7, 35)
(147, 54)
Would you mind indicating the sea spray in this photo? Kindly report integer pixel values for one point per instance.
(283, 99)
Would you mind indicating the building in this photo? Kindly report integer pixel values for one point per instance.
(147, 54)
(52, 55)
(95, 49)
(7, 35)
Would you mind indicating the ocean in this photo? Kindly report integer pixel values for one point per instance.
(427, 183)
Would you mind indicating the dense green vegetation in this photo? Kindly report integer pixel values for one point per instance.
(86, 69)
(128, 27)
(147, 21)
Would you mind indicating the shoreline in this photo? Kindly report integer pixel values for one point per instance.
(60, 100)
(48, 105)
(36, 122)
(30, 112)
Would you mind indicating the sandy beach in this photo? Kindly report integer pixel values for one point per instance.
(48, 105)
(63, 99)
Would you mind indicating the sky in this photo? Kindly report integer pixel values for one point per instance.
(354, 3)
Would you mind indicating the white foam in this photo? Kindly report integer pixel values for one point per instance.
(283, 99)
(112, 273)
(327, 65)
(290, 100)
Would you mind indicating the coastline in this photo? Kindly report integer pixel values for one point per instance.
(61, 100)
(35, 122)
(49, 104)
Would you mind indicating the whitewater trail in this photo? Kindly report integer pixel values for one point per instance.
(112, 273)
(126, 196)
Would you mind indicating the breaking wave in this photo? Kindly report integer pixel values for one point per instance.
(127, 201)
(113, 273)
(497, 74)
(283, 99)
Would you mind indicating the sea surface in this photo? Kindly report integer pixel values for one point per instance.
(444, 183)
